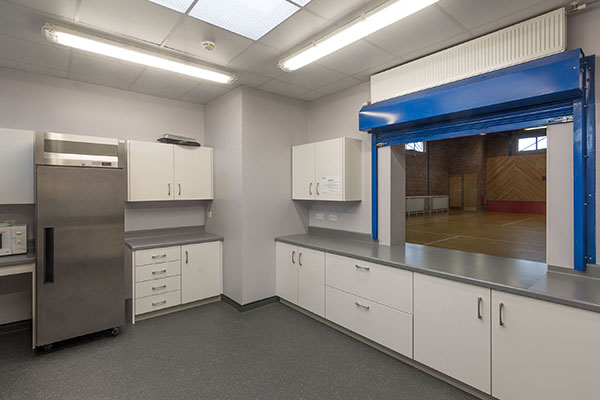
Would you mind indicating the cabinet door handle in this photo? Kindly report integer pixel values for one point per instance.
(160, 303)
(361, 267)
(187, 258)
(500, 314)
(159, 287)
(179, 184)
(310, 188)
(169, 186)
(362, 305)
(318, 194)
(162, 271)
(300, 258)
(479, 303)
(294, 257)
(159, 256)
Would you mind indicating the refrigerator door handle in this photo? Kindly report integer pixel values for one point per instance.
(48, 255)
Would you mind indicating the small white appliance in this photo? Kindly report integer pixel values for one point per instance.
(13, 240)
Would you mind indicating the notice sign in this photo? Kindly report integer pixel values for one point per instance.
(331, 185)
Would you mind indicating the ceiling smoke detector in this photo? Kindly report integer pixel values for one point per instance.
(208, 45)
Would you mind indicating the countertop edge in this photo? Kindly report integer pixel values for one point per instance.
(213, 238)
(422, 270)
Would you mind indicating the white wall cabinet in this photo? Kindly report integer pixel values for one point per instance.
(170, 276)
(159, 172)
(542, 350)
(200, 271)
(452, 329)
(16, 164)
(300, 277)
(330, 170)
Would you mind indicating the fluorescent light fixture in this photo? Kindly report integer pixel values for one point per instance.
(81, 41)
(177, 5)
(379, 18)
(249, 18)
(535, 128)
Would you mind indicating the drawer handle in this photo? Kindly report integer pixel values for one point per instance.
(187, 257)
(159, 256)
(479, 302)
(159, 287)
(362, 305)
(501, 314)
(160, 303)
(162, 271)
(361, 267)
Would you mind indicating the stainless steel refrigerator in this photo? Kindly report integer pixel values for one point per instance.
(80, 199)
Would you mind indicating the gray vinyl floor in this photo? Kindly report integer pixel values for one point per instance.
(214, 352)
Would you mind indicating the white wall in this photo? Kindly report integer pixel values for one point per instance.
(224, 134)
(583, 31)
(336, 116)
(271, 126)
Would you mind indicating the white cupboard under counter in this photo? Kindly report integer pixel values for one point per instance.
(173, 269)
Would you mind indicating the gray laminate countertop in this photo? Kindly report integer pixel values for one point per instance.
(18, 259)
(151, 239)
(527, 278)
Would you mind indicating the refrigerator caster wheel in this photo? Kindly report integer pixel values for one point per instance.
(47, 347)
(115, 331)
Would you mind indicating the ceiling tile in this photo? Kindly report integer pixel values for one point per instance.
(138, 19)
(62, 8)
(22, 23)
(312, 76)
(414, 32)
(102, 71)
(519, 16)
(295, 30)
(188, 37)
(32, 68)
(283, 88)
(34, 53)
(334, 9)
(366, 74)
(205, 92)
(311, 96)
(259, 59)
(249, 79)
(475, 13)
(357, 57)
(163, 84)
(340, 85)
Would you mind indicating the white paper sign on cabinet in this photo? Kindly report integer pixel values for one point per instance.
(331, 184)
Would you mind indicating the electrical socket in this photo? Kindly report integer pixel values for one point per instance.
(320, 217)
(333, 217)
(209, 214)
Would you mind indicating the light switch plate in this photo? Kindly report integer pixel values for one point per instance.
(209, 214)
(333, 217)
(320, 216)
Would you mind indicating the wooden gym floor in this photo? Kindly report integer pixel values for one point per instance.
(499, 234)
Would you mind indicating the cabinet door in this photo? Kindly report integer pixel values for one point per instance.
(150, 171)
(452, 329)
(200, 271)
(193, 173)
(543, 350)
(287, 272)
(16, 164)
(311, 280)
(303, 172)
(329, 169)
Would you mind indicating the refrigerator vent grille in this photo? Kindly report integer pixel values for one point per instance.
(536, 38)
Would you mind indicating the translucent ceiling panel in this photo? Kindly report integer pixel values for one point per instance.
(301, 2)
(249, 18)
(177, 5)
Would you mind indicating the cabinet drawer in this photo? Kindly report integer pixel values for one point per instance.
(384, 325)
(157, 271)
(389, 286)
(155, 256)
(157, 286)
(158, 302)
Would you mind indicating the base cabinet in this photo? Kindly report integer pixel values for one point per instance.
(300, 277)
(542, 350)
(200, 271)
(452, 329)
